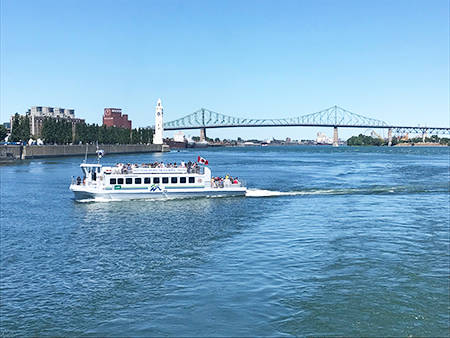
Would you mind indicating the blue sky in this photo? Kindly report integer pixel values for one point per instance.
(384, 59)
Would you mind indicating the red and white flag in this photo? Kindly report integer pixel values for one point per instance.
(202, 160)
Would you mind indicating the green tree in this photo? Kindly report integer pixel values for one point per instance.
(25, 128)
(15, 129)
(20, 128)
(363, 140)
(57, 131)
(90, 133)
(3, 133)
(445, 141)
(135, 137)
(48, 131)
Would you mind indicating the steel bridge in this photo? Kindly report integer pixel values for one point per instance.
(331, 117)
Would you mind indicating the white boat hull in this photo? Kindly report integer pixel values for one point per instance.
(82, 193)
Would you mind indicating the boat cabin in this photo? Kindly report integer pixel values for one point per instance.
(142, 177)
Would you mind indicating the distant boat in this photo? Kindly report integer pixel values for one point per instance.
(200, 144)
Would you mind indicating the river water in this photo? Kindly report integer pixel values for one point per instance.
(330, 241)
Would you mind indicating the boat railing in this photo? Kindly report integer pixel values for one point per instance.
(196, 170)
(226, 184)
(163, 170)
(77, 181)
(82, 181)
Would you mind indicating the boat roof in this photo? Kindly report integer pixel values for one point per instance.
(97, 165)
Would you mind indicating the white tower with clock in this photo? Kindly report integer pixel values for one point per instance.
(158, 137)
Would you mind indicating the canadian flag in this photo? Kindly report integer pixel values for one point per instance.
(202, 160)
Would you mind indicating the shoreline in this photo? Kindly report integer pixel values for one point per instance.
(12, 153)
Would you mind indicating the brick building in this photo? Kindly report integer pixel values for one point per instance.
(113, 117)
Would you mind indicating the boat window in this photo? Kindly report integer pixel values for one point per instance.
(165, 180)
(174, 180)
(191, 179)
(120, 181)
(155, 180)
(137, 180)
(112, 181)
(182, 179)
(129, 180)
(147, 180)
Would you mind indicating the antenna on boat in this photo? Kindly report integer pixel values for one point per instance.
(85, 156)
(99, 153)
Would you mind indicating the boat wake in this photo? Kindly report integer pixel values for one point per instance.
(348, 191)
(271, 193)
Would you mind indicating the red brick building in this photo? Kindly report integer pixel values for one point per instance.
(113, 117)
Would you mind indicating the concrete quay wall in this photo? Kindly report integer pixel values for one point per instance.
(29, 152)
(10, 152)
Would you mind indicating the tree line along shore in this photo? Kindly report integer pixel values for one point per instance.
(62, 131)
(364, 140)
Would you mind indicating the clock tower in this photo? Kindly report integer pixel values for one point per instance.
(158, 136)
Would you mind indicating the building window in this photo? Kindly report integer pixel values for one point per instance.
(137, 180)
(129, 180)
(191, 179)
(120, 181)
(147, 180)
(182, 179)
(165, 180)
(112, 181)
(174, 180)
(156, 180)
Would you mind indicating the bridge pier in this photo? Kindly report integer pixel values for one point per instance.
(335, 138)
(389, 137)
(202, 134)
(424, 135)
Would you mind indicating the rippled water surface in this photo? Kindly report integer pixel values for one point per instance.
(346, 241)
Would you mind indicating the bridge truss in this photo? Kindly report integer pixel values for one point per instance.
(331, 117)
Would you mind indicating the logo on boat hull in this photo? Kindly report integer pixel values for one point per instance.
(154, 188)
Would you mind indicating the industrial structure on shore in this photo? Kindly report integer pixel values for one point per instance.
(38, 114)
(112, 117)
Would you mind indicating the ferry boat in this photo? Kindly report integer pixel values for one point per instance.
(152, 181)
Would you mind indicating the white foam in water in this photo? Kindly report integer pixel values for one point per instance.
(348, 191)
(271, 193)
